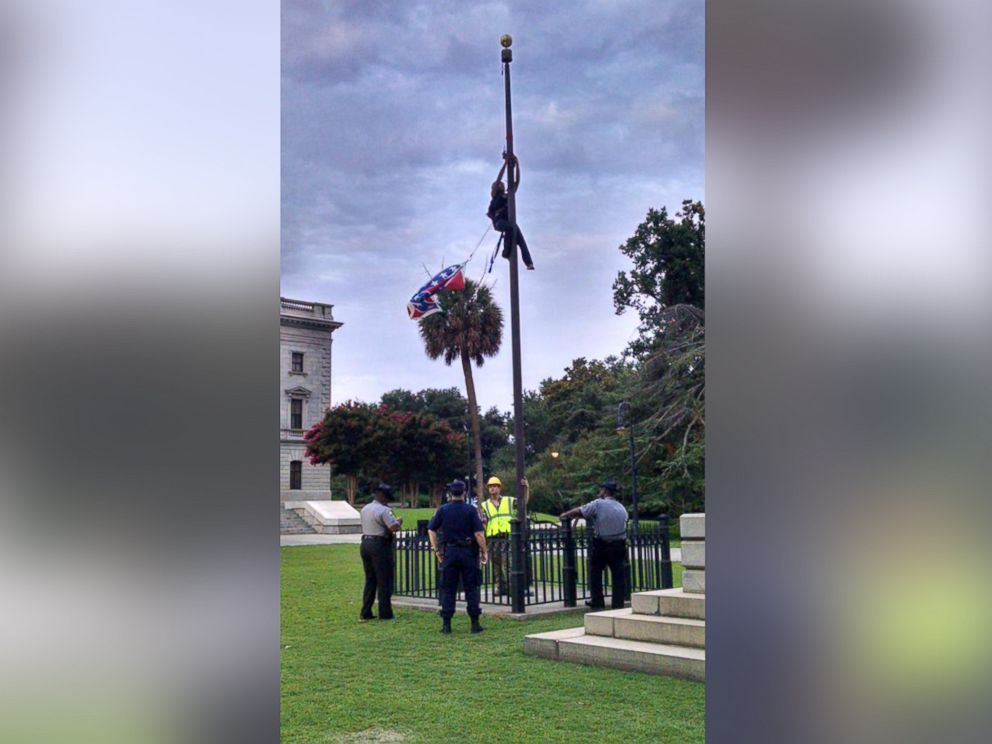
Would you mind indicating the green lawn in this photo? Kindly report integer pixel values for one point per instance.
(410, 516)
(402, 681)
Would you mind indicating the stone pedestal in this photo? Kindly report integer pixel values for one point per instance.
(328, 517)
(693, 528)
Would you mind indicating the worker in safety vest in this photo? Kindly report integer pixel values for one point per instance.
(497, 511)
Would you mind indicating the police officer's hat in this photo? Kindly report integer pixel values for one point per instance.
(610, 485)
(384, 488)
(457, 488)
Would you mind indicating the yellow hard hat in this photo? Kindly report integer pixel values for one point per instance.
(494, 481)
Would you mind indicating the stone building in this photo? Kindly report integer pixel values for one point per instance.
(305, 336)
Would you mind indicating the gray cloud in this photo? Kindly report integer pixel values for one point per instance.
(392, 120)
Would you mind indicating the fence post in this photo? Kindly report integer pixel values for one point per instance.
(517, 580)
(666, 554)
(568, 571)
(629, 548)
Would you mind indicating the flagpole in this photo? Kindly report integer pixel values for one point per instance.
(518, 571)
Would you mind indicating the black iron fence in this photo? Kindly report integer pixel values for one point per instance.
(557, 567)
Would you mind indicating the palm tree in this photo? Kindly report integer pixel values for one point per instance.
(470, 329)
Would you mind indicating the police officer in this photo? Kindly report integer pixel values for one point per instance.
(609, 544)
(459, 553)
(378, 526)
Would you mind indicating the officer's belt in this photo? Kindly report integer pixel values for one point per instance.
(467, 542)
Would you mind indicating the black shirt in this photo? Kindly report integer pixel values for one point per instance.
(459, 521)
(497, 208)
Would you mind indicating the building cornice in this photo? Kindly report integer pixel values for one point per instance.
(323, 325)
(305, 314)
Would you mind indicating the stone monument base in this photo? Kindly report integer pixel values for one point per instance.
(326, 517)
(662, 632)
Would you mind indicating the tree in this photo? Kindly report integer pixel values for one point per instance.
(416, 448)
(344, 438)
(470, 329)
(669, 258)
(666, 288)
(442, 453)
(670, 397)
(496, 429)
(402, 400)
(661, 376)
(378, 442)
(585, 397)
(448, 404)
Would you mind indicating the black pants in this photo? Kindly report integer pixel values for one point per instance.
(460, 563)
(377, 559)
(503, 226)
(605, 554)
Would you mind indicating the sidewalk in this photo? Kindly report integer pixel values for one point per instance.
(292, 541)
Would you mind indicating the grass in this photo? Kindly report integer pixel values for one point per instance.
(410, 516)
(402, 681)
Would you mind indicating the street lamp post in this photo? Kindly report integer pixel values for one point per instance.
(623, 414)
(517, 576)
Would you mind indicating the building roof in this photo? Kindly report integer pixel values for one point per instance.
(309, 314)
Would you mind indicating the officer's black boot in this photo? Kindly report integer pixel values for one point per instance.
(446, 625)
(476, 628)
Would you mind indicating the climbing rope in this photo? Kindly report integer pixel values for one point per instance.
(488, 228)
(493, 259)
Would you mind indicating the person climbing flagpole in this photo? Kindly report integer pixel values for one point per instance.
(519, 555)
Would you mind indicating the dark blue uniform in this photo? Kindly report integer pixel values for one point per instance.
(460, 522)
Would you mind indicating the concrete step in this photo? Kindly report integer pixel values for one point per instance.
(676, 631)
(296, 531)
(670, 603)
(546, 644)
(290, 523)
(619, 653)
(344, 529)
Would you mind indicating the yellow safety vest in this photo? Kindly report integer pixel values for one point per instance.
(499, 517)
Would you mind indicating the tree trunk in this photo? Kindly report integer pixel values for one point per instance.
(350, 488)
(473, 413)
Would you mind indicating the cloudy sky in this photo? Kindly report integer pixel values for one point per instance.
(393, 130)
